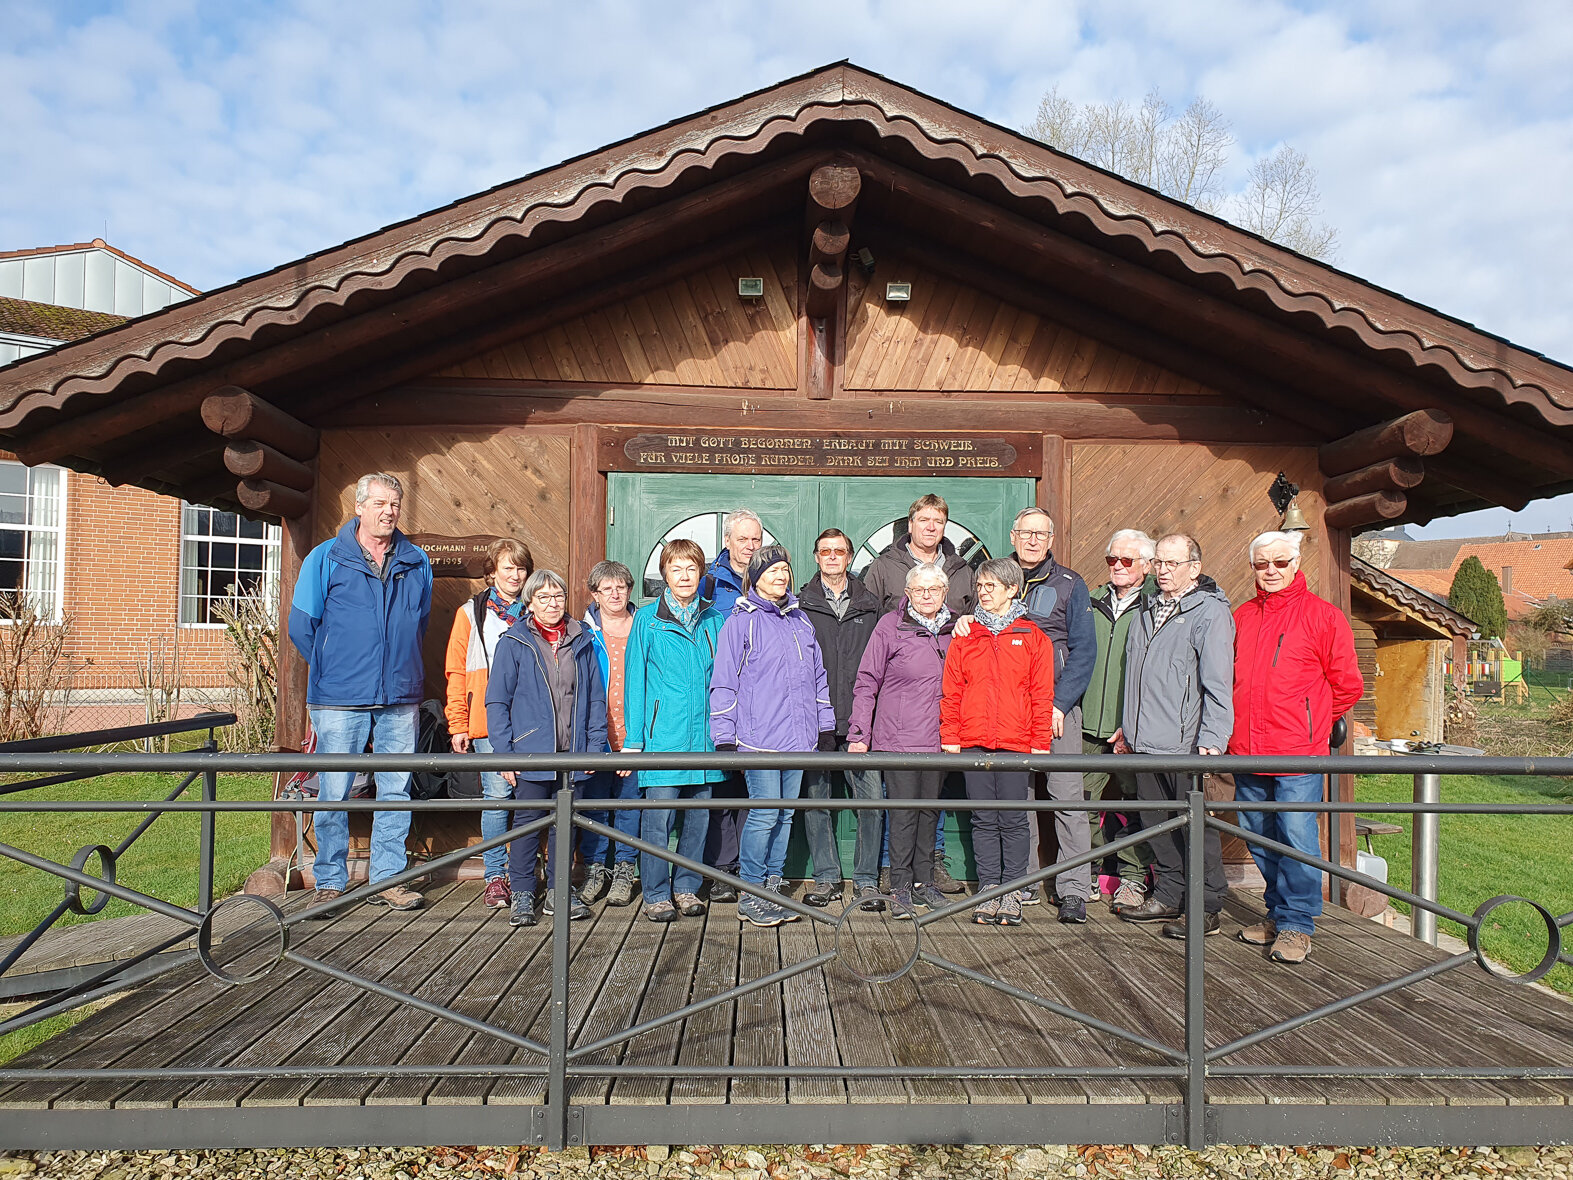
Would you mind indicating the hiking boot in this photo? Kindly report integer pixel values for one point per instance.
(661, 911)
(987, 913)
(1151, 910)
(1128, 896)
(1291, 946)
(577, 910)
(943, 881)
(397, 898)
(689, 905)
(322, 897)
(722, 892)
(622, 891)
(498, 895)
(901, 905)
(1073, 911)
(1030, 896)
(1009, 912)
(823, 893)
(1212, 924)
(870, 900)
(596, 880)
(927, 895)
(521, 911)
(1261, 934)
(759, 911)
(776, 884)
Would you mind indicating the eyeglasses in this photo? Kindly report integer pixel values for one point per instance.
(1281, 563)
(549, 599)
(1033, 534)
(836, 552)
(926, 590)
(1127, 562)
(1160, 564)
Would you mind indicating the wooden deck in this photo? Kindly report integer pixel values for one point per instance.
(460, 955)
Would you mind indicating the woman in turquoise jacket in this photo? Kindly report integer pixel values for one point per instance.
(666, 709)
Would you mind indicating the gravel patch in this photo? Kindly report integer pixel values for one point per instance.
(814, 1162)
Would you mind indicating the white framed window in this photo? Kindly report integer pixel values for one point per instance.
(32, 536)
(223, 554)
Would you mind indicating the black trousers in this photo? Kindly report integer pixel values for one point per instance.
(1000, 839)
(912, 832)
(1169, 849)
(721, 847)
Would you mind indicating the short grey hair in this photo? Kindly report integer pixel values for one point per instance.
(609, 569)
(1193, 550)
(538, 581)
(1145, 544)
(1003, 570)
(927, 571)
(736, 515)
(1274, 537)
(1032, 510)
(363, 485)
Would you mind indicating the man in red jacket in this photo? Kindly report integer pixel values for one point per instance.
(1294, 674)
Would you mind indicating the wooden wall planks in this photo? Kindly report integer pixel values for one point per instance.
(693, 330)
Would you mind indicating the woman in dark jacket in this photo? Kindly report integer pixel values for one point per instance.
(895, 707)
(544, 696)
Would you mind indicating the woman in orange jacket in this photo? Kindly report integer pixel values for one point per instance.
(999, 695)
(477, 627)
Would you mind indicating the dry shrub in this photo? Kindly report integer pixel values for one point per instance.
(36, 674)
(251, 664)
(1561, 714)
(1461, 726)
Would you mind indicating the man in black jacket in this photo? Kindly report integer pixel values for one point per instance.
(843, 613)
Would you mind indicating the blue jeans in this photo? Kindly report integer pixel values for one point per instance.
(1294, 889)
(605, 784)
(658, 878)
(819, 827)
(762, 847)
(344, 731)
(493, 823)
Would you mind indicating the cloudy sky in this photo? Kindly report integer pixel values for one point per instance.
(215, 141)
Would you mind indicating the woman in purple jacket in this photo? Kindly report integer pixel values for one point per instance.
(895, 707)
(768, 694)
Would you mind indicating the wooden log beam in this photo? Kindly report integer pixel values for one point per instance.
(1390, 475)
(833, 193)
(1423, 432)
(238, 413)
(824, 284)
(265, 497)
(829, 242)
(1363, 510)
(258, 461)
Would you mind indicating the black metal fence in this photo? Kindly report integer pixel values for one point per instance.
(557, 1122)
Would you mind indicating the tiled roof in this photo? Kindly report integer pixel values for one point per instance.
(1539, 564)
(51, 322)
(1415, 598)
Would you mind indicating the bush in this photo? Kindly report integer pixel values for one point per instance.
(1477, 596)
(251, 664)
(36, 674)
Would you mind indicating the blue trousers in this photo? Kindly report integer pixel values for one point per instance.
(658, 878)
(344, 731)
(762, 846)
(493, 823)
(1294, 889)
(605, 784)
(522, 852)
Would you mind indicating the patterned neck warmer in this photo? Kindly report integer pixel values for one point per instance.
(997, 623)
(508, 612)
(933, 625)
(686, 615)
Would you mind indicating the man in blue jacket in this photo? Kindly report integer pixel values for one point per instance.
(361, 606)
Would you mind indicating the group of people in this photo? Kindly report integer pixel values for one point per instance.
(921, 654)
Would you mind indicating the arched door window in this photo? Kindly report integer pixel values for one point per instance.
(704, 528)
(971, 549)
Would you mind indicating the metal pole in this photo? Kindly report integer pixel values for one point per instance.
(1335, 841)
(1424, 856)
(562, 893)
(1195, 933)
(207, 838)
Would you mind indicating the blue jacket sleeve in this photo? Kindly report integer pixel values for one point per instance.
(426, 588)
(500, 686)
(635, 657)
(724, 681)
(311, 597)
(595, 724)
(1081, 650)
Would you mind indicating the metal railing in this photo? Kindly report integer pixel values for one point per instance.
(556, 1122)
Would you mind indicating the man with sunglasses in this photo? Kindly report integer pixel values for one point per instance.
(1295, 673)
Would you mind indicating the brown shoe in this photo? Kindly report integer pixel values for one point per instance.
(1291, 946)
(1211, 924)
(1261, 934)
(398, 898)
(322, 897)
(1150, 910)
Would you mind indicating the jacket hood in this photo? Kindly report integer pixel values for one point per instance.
(576, 634)
(1105, 592)
(752, 601)
(1037, 572)
(346, 546)
(813, 597)
(898, 549)
(1205, 588)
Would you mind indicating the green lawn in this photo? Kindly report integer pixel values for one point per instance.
(1482, 856)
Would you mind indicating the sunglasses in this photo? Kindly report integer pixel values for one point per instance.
(1281, 563)
(1127, 562)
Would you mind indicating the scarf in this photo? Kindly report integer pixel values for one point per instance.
(508, 612)
(552, 635)
(686, 615)
(933, 625)
(997, 623)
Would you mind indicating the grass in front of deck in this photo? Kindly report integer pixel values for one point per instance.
(162, 863)
(1483, 856)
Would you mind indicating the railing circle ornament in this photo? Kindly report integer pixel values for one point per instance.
(1553, 940)
(106, 862)
(850, 954)
(260, 942)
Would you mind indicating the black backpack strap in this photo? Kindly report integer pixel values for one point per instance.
(478, 606)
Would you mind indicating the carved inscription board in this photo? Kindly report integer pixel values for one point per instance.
(454, 557)
(839, 452)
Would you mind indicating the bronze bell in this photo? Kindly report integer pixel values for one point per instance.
(1294, 520)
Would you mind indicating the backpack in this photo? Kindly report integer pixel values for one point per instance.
(431, 738)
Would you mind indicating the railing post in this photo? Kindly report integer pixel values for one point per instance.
(207, 837)
(1423, 856)
(1195, 933)
(562, 893)
(1335, 839)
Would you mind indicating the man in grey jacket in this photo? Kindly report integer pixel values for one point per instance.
(1179, 699)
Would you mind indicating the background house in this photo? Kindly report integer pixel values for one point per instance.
(1531, 567)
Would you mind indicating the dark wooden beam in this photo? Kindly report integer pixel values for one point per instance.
(161, 459)
(238, 413)
(832, 194)
(587, 501)
(1388, 475)
(1364, 510)
(271, 499)
(825, 280)
(829, 242)
(1424, 432)
(1475, 478)
(256, 460)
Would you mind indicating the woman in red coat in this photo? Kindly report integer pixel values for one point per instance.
(999, 695)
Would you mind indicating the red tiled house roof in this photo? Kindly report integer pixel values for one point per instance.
(1538, 565)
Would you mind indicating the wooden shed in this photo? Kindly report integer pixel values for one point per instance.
(819, 300)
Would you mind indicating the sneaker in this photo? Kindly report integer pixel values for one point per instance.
(901, 905)
(1009, 912)
(622, 890)
(397, 898)
(1211, 924)
(1261, 934)
(1291, 946)
(1073, 911)
(597, 878)
(943, 881)
(323, 897)
(870, 900)
(689, 905)
(722, 892)
(927, 895)
(1129, 895)
(759, 911)
(776, 884)
(823, 893)
(498, 895)
(1029, 896)
(987, 913)
(661, 911)
(521, 911)
(577, 910)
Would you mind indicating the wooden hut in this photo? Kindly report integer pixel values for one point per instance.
(820, 300)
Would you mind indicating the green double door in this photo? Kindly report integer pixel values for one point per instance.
(645, 511)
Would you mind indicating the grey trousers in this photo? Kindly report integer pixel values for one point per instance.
(1071, 828)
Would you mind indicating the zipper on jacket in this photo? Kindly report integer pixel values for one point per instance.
(1277, 650)
(654, 713)
(550, 700)
(1310, 734)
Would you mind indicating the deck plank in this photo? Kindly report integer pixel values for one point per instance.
(707, 1036)
(671, 985)
(759, 1036)
(631, 974)
(810, 1033)
(911, 1030)
(860, 1035)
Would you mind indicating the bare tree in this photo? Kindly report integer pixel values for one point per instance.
(1281, 202)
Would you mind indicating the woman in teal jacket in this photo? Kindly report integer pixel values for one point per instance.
(666, 709)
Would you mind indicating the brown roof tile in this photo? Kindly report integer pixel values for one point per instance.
(52, 322)
(1540, 568)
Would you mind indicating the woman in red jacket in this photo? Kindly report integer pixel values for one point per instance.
(999, 695)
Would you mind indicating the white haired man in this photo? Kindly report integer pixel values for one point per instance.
(742, 533)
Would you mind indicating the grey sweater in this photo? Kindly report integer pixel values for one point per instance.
(1179, 678)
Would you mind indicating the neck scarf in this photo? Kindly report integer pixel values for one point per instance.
(553, 635)
(932, 626)
(508, 612)
(997, 623)
(686, 615)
